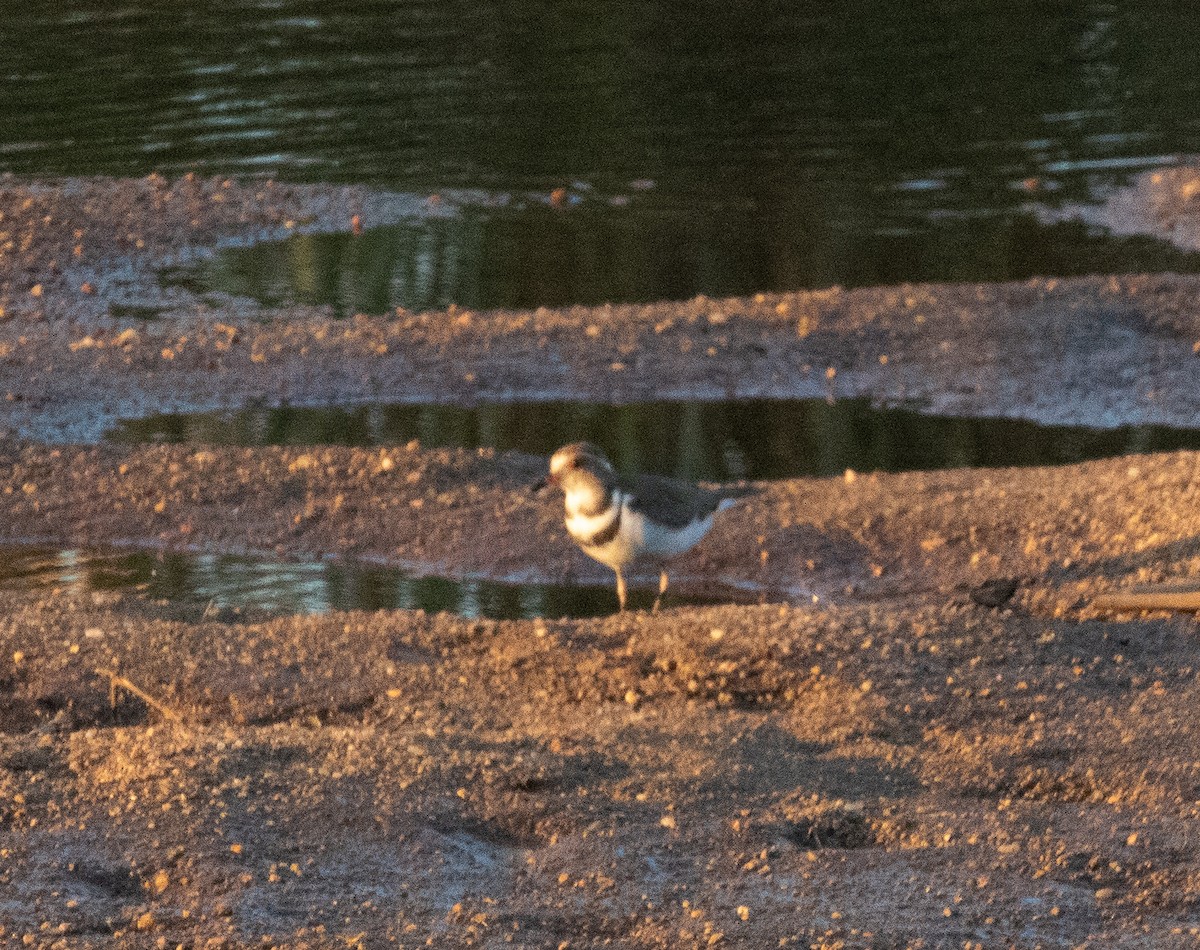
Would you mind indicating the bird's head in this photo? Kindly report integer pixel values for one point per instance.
(579, 461)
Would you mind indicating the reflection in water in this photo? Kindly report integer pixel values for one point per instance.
(226, 583)
(544, 257)
(818, 131)
(699, 440)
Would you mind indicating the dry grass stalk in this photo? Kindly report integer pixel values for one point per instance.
(115, 680)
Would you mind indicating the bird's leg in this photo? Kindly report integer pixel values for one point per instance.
(620, 587)
(662, 589)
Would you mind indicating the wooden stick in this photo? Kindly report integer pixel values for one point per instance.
(116, 679)
(1151, 597)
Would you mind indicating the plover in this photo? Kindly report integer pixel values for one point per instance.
(622, 521)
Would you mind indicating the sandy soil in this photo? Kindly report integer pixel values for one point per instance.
(1164, 204)
(892, 764)
(1098, 351)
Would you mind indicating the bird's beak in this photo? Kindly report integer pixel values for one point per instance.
(543, 484)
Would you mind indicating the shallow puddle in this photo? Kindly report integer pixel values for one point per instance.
(700, 440)
(592, 255)
(225, 586)
(126, 311)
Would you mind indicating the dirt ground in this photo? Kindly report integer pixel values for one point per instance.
(883, 752)
(1092, 351)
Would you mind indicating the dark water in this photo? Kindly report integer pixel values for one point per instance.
(701, 440)
(592, 255)
(758, 144)
(227, 585)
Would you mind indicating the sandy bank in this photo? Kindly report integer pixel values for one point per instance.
(1094, 351)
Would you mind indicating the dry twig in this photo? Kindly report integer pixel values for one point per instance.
(115, 679)
(1151, 597)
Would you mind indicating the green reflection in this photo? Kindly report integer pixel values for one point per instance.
(543, 257)
(717, 440)
(227, 583)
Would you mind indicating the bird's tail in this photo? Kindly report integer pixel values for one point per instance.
(734, 494)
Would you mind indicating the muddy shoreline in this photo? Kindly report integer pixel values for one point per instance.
(472, 513)
(891, 765)
(1100, 351)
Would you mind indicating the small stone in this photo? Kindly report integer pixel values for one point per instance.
(743, 912)
(1103, 894)
(995, 592)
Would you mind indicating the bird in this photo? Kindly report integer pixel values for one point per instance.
(621, 521)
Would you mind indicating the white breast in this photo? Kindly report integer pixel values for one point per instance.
(637, 538)
(660, 541)
(585, 526)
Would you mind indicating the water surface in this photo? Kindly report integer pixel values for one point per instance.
(698, 440)
(539, 256)
(755, 144)
(225, 586)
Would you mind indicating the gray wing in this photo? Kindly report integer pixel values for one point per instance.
(671, 502)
